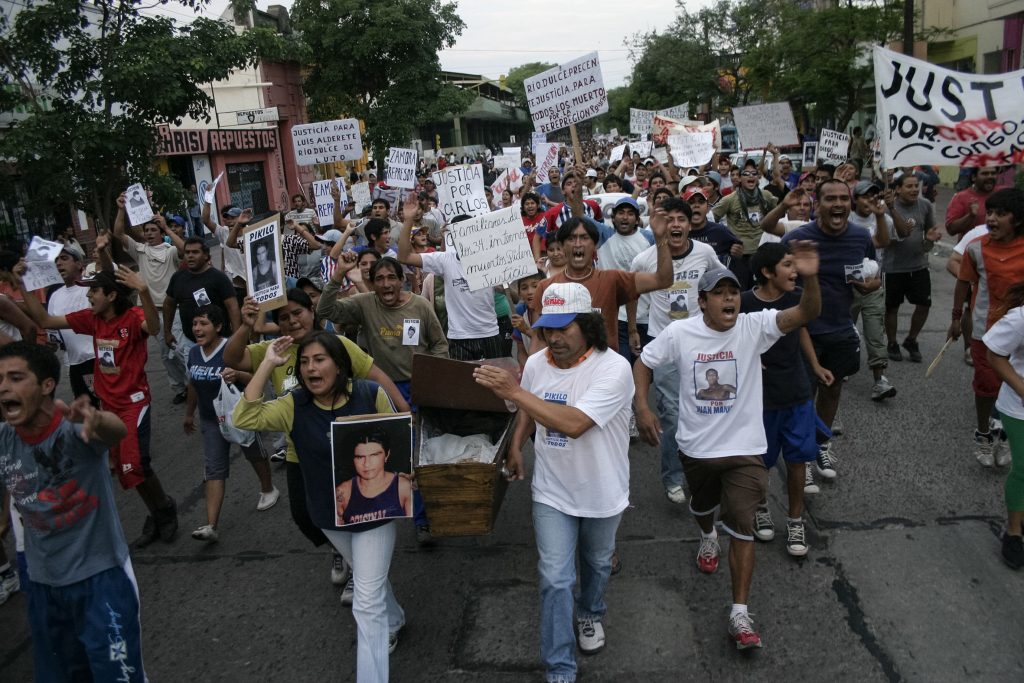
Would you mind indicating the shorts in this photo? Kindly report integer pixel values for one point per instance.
(793, 431)
(478, 349)
(217, 451)
(130, 457)
(838, 352)
(89, 630)
(986, 382)
(915, 287)
(735, 483)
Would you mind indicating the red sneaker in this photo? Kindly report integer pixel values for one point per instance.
(741, 630)
(707, 556)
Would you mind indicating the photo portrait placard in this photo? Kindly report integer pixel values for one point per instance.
(264, 263)
(372, 468)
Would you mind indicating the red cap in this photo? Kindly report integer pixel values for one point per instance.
(692, 191)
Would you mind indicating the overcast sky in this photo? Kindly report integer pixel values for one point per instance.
(499, 36)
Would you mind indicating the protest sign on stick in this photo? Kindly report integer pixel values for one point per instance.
(759, 125)
(493, 248)
(833, 146)
(264, 263)
(546, 158)
(401, 168)
(460, 190)
(137, 204)
(691, 149)
(567, 94)
(325, 202)
(327, 141)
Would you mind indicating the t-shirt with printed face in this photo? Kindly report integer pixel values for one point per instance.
(587, 476)
(679, 301)
(608, 289)
(470, 314)
(192, 291)
(784, 374)
(61, 486)
(720, 388)
(120, 345)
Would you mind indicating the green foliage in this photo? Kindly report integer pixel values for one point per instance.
(619, 101)
(376, 60)
(94, 80)
(516, 76)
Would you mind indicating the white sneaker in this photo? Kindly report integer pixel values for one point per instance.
(340, 571)
(268, 500)
(205, 533)
(279, 456)
(882, 390)
(349, 592)
(826, 464)
(764, 527)
(810, 487)
(676, 494)
(589, 635)
(1000, 449)
(984, 445)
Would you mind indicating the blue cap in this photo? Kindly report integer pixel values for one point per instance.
(177, 219)
(626, 201)
(715, 177)
(235, 212)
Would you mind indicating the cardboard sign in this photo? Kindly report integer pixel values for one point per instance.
(692, 149)
(931, 115)
(460, 190)
(361, 196)
(537, 139)
(493, 248)
(327, 141)
(762, 124)
(614, 132)
(512, 179)
(401, 168)
(136, 204)
(40, 269)
(325, 202)
(833, 146)
(643, 148)
(547, 156)
(616, 153)
(567, 94)
(264, 263)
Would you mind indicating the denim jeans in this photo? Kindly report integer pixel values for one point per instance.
(558, 536)
(374, 607)
(666, 384)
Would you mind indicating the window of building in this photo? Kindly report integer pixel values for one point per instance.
(248, 186)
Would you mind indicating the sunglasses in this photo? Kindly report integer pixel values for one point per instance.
(748, 174)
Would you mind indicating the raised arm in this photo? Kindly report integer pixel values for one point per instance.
(210, 224)
(662, 277)
(119, 222)
(133, 280)
(236, 351)
(405, 253)
(35, 309)
(805, 260)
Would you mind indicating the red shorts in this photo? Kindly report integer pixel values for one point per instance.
(130, 458)
(986, 382)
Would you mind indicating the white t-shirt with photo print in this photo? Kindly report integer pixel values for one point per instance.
(679, 300)
(720, 395)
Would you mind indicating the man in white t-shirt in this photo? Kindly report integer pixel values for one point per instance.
(472, 322)
(79, 353)
(690, 260)
(231, 251)
(953, 267)
(720, 432)
(575, 399)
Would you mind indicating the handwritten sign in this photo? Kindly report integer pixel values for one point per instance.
(136, 204)
(664, 126)
(643, 148)
(642, 120)
(832, 146)
(762, 124)
(692, 149)
(460, 191)
(504, 161)
(537, 139)
(325, 202)
(401, 168)
(546, 158)
(493, 248)
(512, 179)
(361, 196)
(327, 141)
(616, 153)
(567, 94)
(40, 269)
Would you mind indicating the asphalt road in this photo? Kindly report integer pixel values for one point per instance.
(903, 582)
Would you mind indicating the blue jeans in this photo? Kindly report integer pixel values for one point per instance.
(374, 607)
(558, 536)
(666, 384)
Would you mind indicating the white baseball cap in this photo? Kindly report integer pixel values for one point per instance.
(561, 303)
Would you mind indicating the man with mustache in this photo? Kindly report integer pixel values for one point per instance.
(967, 207)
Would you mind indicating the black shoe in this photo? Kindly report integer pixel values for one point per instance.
(1013, 551)
(423, 536)
(149, 534)
(894, 351)
(912, 350)
(179, 398)
(167, 521)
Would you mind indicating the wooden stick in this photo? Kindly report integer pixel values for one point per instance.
(935, 363)
(576, 149)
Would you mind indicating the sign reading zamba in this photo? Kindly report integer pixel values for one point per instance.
(177, 141)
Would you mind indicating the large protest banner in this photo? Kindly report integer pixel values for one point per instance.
(460, 190)
(931, 115)
(762, 124)
(327, 141)
(663, 126)
(325, 202)
(493, 248)
(833, 146)
(567, 94)
(401, 168)
(641, 120)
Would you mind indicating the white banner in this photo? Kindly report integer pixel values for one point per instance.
(547, 156)
(762, 124)
(325, 202)
(664, 126)
(460, 190)
(507, 161)
(401, 168)
(512, 179)
(833, 146)
(931, 115)
(692, 149)
(493, 248)
(327, 141)
(567, 94)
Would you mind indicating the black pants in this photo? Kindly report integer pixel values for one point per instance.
(297, 503)
(77, 374)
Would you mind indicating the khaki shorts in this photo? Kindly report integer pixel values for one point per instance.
(738, 484)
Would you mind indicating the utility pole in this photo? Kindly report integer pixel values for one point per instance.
(908, 27)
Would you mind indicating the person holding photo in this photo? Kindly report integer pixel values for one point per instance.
(374, 492)
(326, 391)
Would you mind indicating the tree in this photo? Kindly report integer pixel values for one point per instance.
(518, 74)
(92, 81)
(376, 60)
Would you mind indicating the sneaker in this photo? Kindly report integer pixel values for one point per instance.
(764, 528)
(676, 494)
(837, 426)
(741, 630)
(826, 461)
(392, 642)
(894, 351)
(166, 519)
(589, 635)
(882, 390)
(268, 500)
(913, 351)
(1013, 551)
(810, 487)
(279, 456)
(707, 555)
(1000, 448)
(423, 536)
(340, 571)
(205, 533)
(984, 445)
(796, 543)
(349, 592)
(149, 534)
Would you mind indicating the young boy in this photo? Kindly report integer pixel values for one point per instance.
(789, 420)
(521, 321)
(83, 601)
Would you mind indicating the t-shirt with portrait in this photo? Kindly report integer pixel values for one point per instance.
(720, 387)
(192, 291)
(679, 300)
(121, 354)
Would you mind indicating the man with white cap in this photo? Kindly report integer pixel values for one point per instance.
(575, 398)
(720, 432)
(79, 354)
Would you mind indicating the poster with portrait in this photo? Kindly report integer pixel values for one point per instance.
(264, 263)
(372, 468)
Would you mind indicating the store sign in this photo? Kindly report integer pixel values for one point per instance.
(266, 115)
(181, 141)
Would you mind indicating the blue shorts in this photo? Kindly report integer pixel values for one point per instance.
(87, 631)
(793, 431)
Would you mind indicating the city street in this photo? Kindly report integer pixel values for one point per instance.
(904, 581)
